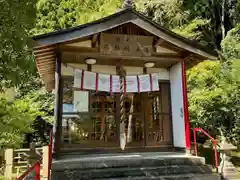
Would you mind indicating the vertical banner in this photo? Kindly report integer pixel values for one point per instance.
(131, 84)
(144, 83)
(89, 80)
(115, 83)
(80, 101)
(104, 82)
(155, 84)
(77, 78)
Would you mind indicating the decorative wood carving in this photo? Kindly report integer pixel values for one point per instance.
(128, 45)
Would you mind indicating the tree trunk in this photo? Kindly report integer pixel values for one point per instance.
(223, 19)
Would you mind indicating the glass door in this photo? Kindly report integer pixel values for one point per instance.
(159, 126)
(134, 123)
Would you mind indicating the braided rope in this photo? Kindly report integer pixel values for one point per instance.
(122, 109)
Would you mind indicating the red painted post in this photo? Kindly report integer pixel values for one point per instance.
(50, 154)
(37, 168)
(185, 106)
(195, 141)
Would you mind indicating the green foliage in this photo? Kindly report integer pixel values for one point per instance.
(16, 19)
(42, 103)
(214, 98)
(212, 10)
(193, 30)
(167, 13)
(15, 121)
(193, 18)
(17, 115)
(231, 43)
(54, 15)
(33, 93)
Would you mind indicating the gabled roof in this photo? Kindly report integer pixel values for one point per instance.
(117, 19)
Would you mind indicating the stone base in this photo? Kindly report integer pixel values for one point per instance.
(131, 166)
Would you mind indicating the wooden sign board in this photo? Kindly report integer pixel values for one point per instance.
(128, 45)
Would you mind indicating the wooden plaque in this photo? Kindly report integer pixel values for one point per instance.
(128, 45)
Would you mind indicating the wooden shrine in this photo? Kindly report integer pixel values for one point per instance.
(128, 40)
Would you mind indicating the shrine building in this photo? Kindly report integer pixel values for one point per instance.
(124, 44)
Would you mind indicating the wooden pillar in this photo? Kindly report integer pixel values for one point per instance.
(9, 163)
(185, 107)
(45, 161)
(58, 105)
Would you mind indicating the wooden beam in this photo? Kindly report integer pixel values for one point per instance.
(94, 53)
(75, 49)
(144, 59)
(40, 51)
(159, 42)
(107, 61)
(46, 68)
(95, 40)
(45, 53)
(46, 61)
(46, 57)
(44, 47)
(172, 47)
(72, 41)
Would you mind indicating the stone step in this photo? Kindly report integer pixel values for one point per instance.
(131, 172)
(170, 177)
(165, 177)
(134, 160)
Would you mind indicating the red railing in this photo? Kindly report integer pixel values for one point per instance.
(214, 141)
(37, 165)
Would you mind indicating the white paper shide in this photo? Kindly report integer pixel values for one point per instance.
(104, 82)
(115, 83)
(89, 80)
(80, 101)
(131, 84)
(144, 83)
(77, 78)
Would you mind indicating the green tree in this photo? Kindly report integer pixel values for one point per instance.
(54, 15)
(223, 16)
(214, 98)
(167, 13)
(15, 121)
(16, 62)
(193, 30)
(231, 43)
(17, 113)
(219, 16)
